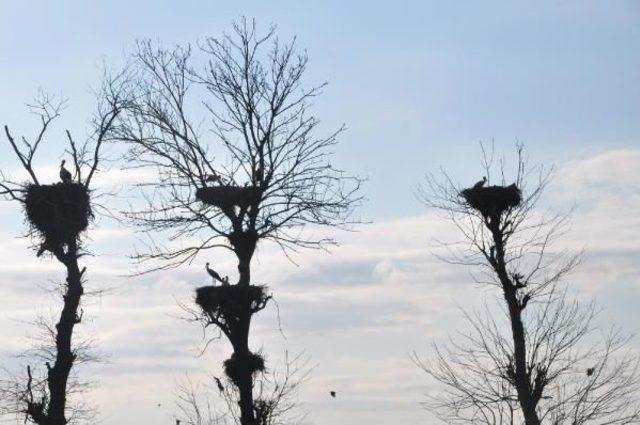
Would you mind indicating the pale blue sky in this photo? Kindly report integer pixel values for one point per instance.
(418, 84)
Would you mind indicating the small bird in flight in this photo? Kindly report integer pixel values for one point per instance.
(590, 371)
(333, 394)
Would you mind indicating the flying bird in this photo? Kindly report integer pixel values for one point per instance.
(333, 394)
(590, 371)
(65, 175)
(480, 183)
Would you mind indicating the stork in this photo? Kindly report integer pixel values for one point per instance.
(480, 183)
(213, 178)
(65, 175)
(213, 273)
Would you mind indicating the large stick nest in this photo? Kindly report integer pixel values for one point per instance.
(229, 302)
(232, 366)
(492, 201)
(225, 197)
(59, 212)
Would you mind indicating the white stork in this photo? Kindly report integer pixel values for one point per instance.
(65, 175)
(213, 273)
(480, 183)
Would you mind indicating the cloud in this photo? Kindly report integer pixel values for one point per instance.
(610, 175)
(358, 311)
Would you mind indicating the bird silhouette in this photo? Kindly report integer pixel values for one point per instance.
(213, 273)
(590, 371)
(65, 175)
(213, 178)
(333, 394)
(480, 183)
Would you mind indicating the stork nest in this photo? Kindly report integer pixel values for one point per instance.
(492, 201)
(229, 302)
(232, 366)
(225, 197)
(58, 212)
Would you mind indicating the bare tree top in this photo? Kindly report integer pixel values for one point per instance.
(537, 356)
(84, 156)
(526, 230)
(77, 170)
(259, 124)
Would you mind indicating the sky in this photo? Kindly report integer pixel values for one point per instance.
(418, 84)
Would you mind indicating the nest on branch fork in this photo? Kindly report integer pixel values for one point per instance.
(227, 197)
(58, 212)
(254, 363)
(229, 302)
(492, 201)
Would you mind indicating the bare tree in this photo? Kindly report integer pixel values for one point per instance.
(58, 215)
(196, 406)
(272, 178)
(276, 397)
(541, 359)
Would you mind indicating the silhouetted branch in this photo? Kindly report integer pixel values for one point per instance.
(57, 215)
(260, 115)
(276, 397)
(272, 178)
(539, 364)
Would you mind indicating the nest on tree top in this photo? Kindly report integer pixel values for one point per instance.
(232, 366)
(58, 212)
(492, 200)
(231, 301)
(225, 197)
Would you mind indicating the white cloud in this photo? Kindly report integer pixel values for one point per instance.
(358, 311)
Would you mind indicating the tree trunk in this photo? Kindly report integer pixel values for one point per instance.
(522, 378)
(245, 379)
(58, 375)
(244, 271)
(241, 348)
(523, 385)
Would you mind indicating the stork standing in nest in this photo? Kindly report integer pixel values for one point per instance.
(65, 175)
(214, 274)
(213, 178)
(481, 183)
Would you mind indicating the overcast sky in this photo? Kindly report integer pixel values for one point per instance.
(418, 84)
